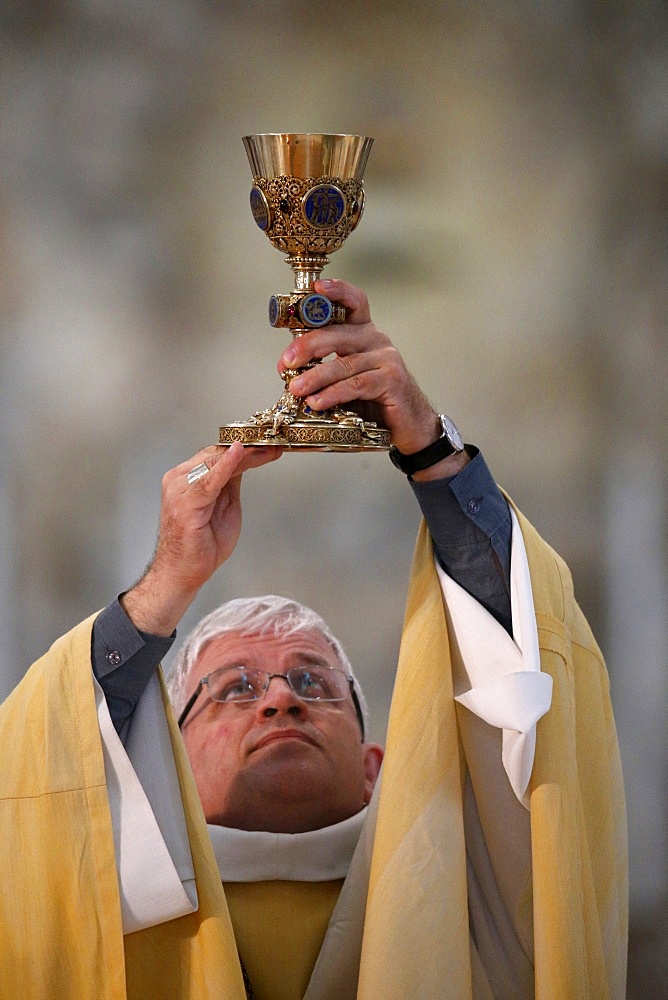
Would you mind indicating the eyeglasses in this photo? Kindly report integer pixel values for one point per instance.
(310, 682)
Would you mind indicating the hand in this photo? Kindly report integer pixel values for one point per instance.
(199, 529)
(369, 373)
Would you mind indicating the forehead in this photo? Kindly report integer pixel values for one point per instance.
(276, 653)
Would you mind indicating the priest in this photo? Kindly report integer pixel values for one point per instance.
(486, 859)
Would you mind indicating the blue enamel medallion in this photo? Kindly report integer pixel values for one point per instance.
(273, 310)
(315, 310)
(260, 208)
(324, 206)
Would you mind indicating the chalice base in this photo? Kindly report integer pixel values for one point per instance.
(335, 429)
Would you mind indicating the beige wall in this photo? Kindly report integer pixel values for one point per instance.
(513, 245)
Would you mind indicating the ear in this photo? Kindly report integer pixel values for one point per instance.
(373, 758)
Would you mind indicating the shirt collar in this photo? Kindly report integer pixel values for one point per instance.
(315, 856)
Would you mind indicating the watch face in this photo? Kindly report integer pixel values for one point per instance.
(451, 432)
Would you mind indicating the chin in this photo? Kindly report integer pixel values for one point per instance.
(293, 775)
(293, 778)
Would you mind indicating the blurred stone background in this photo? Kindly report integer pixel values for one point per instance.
(514, 246)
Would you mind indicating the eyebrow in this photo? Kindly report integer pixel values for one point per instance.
(300, 659)
(314, 660)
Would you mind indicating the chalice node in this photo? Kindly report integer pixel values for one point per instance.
(307, 197)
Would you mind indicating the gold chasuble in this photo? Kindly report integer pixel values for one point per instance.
(60, 918)
(416, 936)
(279, 929)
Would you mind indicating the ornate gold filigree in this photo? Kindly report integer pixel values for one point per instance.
(289, 231)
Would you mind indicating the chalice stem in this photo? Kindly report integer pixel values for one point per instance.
(307, 270)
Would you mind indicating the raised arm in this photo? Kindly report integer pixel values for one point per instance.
(468, 517)
(199, 527)
(200, 522)
(369, 372)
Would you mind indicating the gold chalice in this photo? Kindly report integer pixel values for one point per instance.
(307, 197)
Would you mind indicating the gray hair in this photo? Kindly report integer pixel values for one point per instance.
(267, 615)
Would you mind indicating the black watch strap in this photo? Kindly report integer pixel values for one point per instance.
(448, 444)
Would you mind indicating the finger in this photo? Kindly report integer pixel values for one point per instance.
(254, 456)
(205, 456)
(202, 492)
(341, 340)
(368, 385)
(224, 462)
(228, 497)
(232, 460)
(354, 299)
(358, 376)
(235, 458)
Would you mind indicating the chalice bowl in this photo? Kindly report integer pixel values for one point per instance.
(307, 197)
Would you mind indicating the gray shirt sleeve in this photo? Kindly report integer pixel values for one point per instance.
(469, 522)
(123, 660)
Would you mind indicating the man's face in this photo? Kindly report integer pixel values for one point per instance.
(279, 763)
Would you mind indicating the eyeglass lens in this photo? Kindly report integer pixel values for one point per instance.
(310, 682)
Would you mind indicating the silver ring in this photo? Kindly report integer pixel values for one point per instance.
(197, 473)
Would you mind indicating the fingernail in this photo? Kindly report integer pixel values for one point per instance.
(289, 355)
(297, 383)
(326, 283)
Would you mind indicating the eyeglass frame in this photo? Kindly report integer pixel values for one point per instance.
(205, 680)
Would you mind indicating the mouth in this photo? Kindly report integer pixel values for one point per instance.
(282, 735)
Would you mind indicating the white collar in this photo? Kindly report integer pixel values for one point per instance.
(315, 856)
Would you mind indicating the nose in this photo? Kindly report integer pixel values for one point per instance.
(281, 699)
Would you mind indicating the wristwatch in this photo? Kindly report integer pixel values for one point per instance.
(448, 444)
